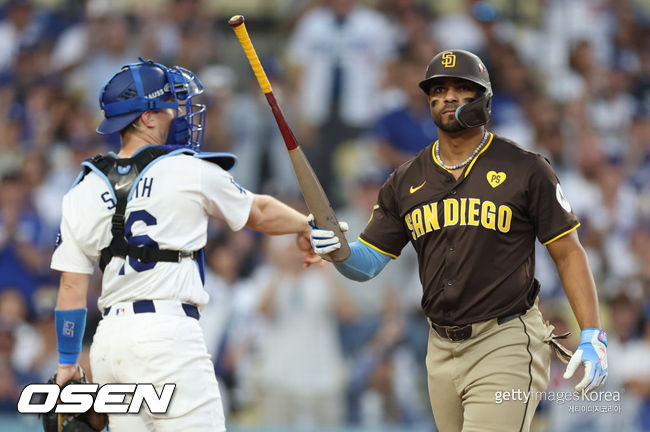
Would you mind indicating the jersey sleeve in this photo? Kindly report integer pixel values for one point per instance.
(225, 198)
(384, 231)
(548, 207)
(68, 255)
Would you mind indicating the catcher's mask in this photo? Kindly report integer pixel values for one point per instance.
(150, 86)
(465, 65)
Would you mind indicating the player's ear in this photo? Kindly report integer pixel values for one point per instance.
(147, 119)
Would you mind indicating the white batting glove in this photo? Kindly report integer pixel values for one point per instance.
(592, 352)
(324, 241)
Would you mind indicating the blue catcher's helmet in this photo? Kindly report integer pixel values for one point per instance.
(150, 86)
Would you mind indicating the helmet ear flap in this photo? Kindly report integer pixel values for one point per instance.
(475, 113)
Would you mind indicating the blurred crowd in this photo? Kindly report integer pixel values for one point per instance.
(298, 347)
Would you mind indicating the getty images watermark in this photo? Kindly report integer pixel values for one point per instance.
(577, 402)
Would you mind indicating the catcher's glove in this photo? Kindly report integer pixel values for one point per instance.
(89, 421)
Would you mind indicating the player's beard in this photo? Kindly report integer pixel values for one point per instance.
(447, 122)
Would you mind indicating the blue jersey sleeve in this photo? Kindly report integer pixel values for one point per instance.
(364, 262)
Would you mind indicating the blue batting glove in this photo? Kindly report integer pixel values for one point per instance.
(324, 241)
(592, 352)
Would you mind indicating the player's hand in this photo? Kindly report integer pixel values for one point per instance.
(592, 352)
(324, 241)
(65, 373)
(309, 257)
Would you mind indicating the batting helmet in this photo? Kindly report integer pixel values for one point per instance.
(150, 86)
(463, 64)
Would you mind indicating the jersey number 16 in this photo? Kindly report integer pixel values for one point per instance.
(139, 240)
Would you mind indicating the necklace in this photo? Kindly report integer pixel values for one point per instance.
(462, 164)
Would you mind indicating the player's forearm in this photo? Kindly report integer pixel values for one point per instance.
(73, 289)
(70, 318)
(271, 216)
(579, 287)
(363, 264)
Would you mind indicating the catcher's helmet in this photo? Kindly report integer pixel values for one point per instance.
(463, 64)
(150, 86)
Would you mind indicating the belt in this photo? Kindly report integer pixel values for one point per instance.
(461, 333)
(149, 306)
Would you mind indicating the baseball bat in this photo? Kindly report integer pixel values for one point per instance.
(311, 188)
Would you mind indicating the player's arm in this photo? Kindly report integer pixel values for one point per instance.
(70, 320)
(573, 268)
(364, 262)
(271, 216)
(575, 274)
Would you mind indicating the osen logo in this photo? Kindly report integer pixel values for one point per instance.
(449, 59)
(108, 399)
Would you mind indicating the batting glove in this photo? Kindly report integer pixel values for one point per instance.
(324, 241)
(592, 352)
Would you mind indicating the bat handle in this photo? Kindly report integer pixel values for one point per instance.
(342, 253)
(325, 218)
(237, 24)
(236, 21)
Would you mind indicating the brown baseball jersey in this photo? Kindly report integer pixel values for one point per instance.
(475, 236)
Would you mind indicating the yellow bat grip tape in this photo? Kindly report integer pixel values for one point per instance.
(246, 43)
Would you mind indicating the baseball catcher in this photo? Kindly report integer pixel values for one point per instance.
(142, 214)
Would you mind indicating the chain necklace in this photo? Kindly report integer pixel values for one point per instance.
(462, 164)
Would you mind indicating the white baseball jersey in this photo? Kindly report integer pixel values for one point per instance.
(169, 209)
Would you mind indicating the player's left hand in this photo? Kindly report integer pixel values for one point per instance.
(592, 352)
(66, 373)
(88, 421)
(324, 241)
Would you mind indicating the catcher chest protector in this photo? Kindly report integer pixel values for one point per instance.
(121, 175)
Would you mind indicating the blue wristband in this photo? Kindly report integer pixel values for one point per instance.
(70, 327)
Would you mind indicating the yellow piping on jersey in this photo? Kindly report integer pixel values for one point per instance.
(561, 235)
(376, 248)
(471, 164)
(433, 155)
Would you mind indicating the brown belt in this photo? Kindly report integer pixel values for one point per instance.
(461, 333)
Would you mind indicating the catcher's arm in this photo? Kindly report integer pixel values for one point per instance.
(70, 318)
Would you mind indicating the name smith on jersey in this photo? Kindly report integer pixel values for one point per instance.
(464, 212)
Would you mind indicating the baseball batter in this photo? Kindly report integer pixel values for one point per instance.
(143, 215)
(472, 205)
